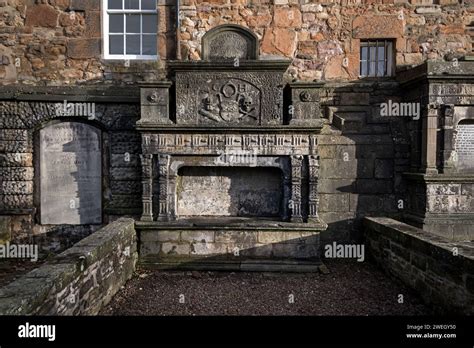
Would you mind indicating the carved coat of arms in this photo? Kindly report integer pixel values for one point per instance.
(230, 101)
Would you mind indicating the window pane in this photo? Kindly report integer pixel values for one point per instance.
(381, 68)
(363, 68)
(148, 4)
(363, 53)
(133, 44)
(372, 53)
(115, 4)
(116, 23)
(149, 45)
(381, 52)
(372, 69)
(133, 23)
(116, 44)
(132, 4)
(150, 24)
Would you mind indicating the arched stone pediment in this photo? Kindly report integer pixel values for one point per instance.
(229, 41)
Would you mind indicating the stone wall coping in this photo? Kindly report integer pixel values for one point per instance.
(421, 240)
(116, 94)
(28, 294)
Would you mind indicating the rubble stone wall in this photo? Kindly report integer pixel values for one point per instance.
(58, 42)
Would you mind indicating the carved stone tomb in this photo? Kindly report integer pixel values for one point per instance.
(225, 173)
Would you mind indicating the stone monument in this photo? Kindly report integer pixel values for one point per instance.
(228, 175)
(70, 174)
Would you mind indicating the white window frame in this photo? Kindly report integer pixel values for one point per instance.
(105, 30)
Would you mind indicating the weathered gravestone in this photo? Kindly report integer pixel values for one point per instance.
(70, 174)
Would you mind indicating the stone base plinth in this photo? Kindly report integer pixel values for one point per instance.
(230, 244)
(442, 204)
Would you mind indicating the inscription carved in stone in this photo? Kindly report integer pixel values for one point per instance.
(70, 180)
(228, 45)
(229, 42)
(465, 146)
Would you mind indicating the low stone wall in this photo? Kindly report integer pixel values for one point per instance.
(244, 248)
(78, 281)
(441, 271)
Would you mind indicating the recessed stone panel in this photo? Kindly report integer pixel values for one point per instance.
(70, 174)
(206, 191)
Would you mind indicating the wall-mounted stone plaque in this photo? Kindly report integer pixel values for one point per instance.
(465, 146)
(228, 42)
(70, 174)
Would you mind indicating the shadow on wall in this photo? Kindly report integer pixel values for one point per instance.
(362, 158)
(70, 183)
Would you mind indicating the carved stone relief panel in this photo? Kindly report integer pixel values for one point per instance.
(229, 98)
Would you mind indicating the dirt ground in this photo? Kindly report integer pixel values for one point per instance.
(351, 288)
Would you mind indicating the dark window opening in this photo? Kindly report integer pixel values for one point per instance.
(376, 58)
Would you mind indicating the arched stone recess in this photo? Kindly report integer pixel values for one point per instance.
(68, 180)
(230, 41)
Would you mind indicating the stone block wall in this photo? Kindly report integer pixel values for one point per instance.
(441, 271)
(361, 159)
(59, 42)
(79, 281)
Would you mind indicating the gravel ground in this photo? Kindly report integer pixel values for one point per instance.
(351, 288)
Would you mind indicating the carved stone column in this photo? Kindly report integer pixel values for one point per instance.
(163, 180)
(313, 164)
(147, 184)
(429, 137)
(296, 176)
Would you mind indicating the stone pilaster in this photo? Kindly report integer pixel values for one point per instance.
(313, 164)
(163, 181)
(429, 139)
(296, 176)
(147, 184)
